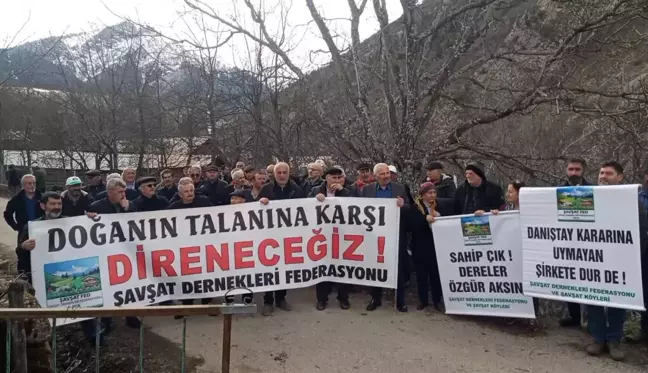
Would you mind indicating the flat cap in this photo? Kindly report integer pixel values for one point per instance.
(211, 167)
(335, 171)
(239, 193)
(363, 166)
(249, 169)
(93, 173)
(145, 180)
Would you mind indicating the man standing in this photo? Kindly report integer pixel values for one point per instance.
(443, 183)
(258, 182)
(314, 179)
(148, 200)
(128, 175)
(188, 200)
(215, 188)
(95, 185)
(41, 179)
(575, 171)
(51, 205)
(75, 200)
(114, 203)
(608, 331)
(238, 181)
(280, 189)
(364, 178)
(13, 180)
(167, 187)
(270, 172)
(385, 188)
(131, 194)
(188, 197)
(477, 195)
(333, 187)
(24, 206)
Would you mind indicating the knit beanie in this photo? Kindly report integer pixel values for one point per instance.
(477, 168)
(426, 187)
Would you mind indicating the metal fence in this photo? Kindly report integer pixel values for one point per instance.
(15, 338)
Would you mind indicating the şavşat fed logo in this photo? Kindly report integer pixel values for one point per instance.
(74, 283)
(575, 203)
(476, 230)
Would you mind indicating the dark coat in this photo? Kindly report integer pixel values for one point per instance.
(95, 190)
(585, 182)
(104, 206)
(24, 256)
(446, 189)
(231, 189)
(13, 177)
(217, 192)
(167, 193)
(268, 190)
(78, 208)
(398, 190)
(199, 201)
(308, 184)
(15, 213)
(41, 179)
(155, 203)
(489, 197)
(344, 192)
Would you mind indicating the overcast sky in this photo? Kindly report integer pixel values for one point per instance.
(55, 17)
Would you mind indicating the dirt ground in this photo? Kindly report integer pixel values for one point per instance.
(306, 340)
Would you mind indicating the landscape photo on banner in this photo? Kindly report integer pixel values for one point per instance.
(480, 265)
(146, 258)
(582, 244)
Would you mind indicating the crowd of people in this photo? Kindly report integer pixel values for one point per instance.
(437, 195)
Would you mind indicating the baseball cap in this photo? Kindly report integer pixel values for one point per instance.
(393, 169)
(73, 180)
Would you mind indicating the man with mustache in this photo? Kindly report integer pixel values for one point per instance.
(75, 200)
(51, 203)
(575, 171)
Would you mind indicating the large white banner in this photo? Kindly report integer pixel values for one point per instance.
(480, 264)
(581, 244)
(146, 258)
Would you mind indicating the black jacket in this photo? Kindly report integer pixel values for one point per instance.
(199, 201)
(15, 213)
(489, 196)
(95, 190)
(230, 189)
(268, 191)
(344, 192)
(78, 208)
(104, 206)
(13, 177)
(307, 185)
(167, 193)
(131, 194)
(24, 256)
(216, 191)
(155, 203)
(585, 182)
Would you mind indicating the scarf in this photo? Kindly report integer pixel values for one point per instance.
(420, 205)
